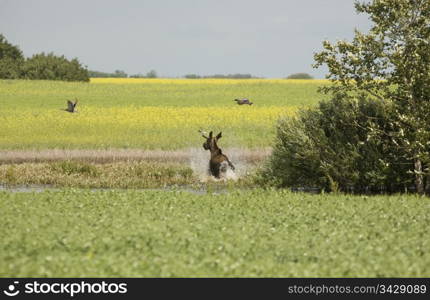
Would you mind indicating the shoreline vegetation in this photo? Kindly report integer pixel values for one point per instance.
(121, 168)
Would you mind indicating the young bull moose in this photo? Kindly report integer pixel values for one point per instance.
(218, 162)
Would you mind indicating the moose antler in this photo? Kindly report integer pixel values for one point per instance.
(203, 133)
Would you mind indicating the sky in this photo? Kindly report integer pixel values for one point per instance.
(267, 38)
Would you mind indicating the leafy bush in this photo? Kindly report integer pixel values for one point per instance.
(10, 68)
(40, 66)
(11, 60)
(340, 145)
(390, 63)
(221, 76)
(373, 134)
(52, 67)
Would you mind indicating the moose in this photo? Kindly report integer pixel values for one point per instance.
(71, 107)
(219, 162)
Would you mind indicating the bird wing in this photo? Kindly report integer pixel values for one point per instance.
(70, 105)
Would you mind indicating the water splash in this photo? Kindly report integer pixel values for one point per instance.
(199, 163)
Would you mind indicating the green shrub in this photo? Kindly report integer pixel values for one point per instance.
(11, 60)
(340, 145)
(39, 66)
(10, 68)
(51, 67)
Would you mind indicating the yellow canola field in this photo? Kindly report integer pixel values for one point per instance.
(138, 127)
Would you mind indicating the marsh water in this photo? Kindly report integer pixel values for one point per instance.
(38, 188)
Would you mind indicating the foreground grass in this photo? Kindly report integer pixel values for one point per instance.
(146, 113)
(242, 233)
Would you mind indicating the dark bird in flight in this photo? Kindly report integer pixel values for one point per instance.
(243, 101)
(71, 107)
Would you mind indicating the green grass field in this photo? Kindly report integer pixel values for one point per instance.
(70, 233)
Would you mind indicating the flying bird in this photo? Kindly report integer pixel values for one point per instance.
(71, 107)
(243, 101)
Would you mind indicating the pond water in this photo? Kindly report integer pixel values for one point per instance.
(38, 188)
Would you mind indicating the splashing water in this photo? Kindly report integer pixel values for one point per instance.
(199, 163)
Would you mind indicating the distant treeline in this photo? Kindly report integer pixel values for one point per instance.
(122, 74)
(300, 76)
(153, 74)
(246, 76)
(13, 65)
(231, 76)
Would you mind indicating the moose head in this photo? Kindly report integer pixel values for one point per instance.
(211, 141)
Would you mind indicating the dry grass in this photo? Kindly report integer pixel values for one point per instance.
(120, 168)
(89, 175)
(251, 156)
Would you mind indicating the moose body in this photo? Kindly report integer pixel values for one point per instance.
(218, 162)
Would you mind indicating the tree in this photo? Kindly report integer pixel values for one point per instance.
(120, 74)
(300, 76)
(9, 50)
(391, 64)
(328, 147)
(116, 74)
(11, 60)
(138, 75)
(51, 67)
(192, 76)
(151, 74)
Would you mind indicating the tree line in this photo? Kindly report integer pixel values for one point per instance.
(48, 66)
(45, 66)
(245, 76)
(153, 74)
(122, 74)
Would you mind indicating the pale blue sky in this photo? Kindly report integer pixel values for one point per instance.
(268, 38)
